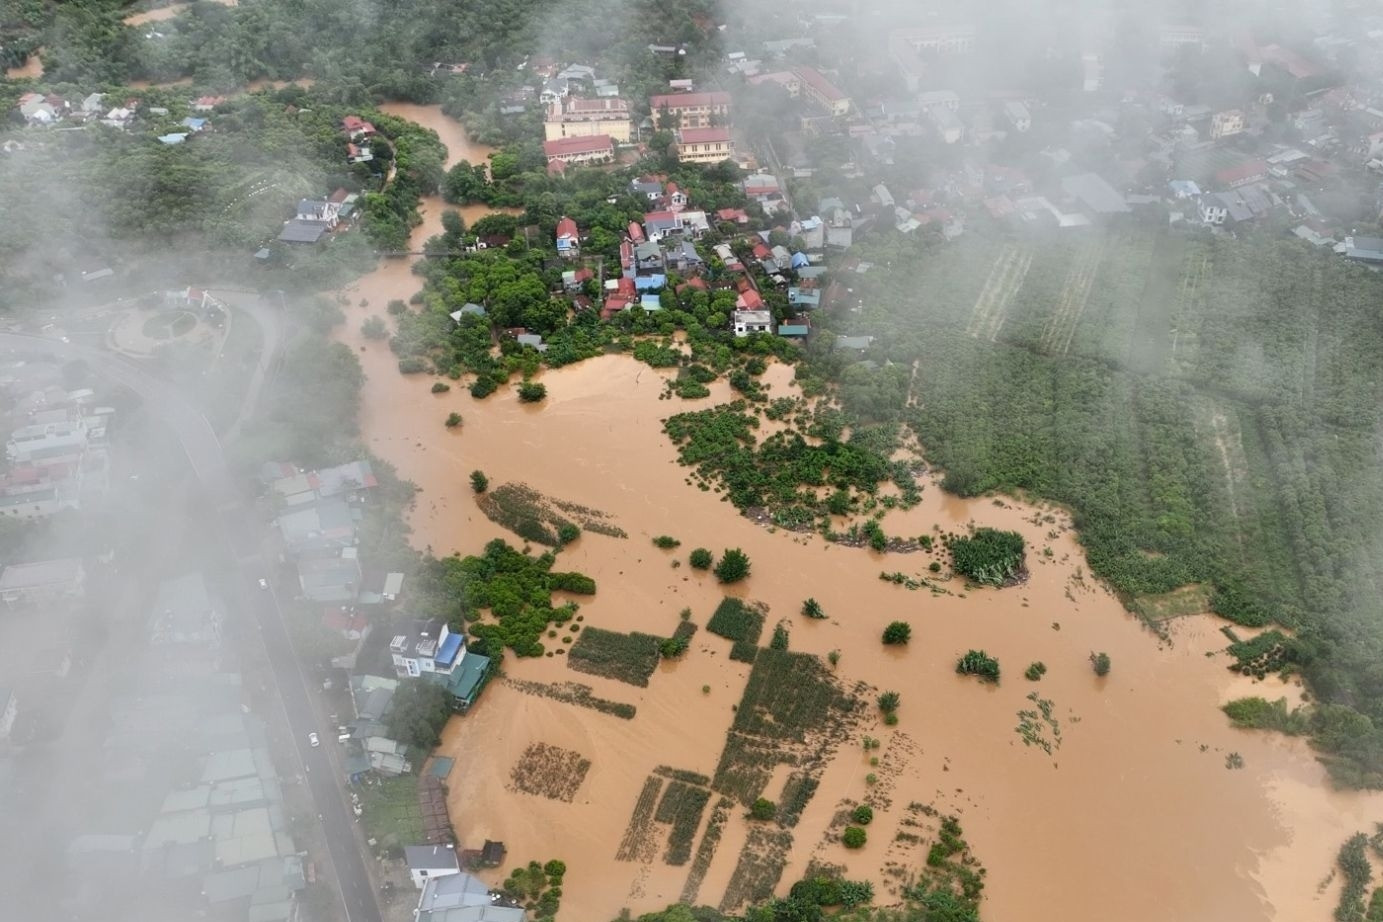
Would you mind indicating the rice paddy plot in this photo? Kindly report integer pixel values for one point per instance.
(549, 771)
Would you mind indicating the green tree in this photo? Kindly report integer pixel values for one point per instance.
(889, 701)
(374, 327)
(812, 609)
(763, 809)
(532, 392)
(1100, 663)
(897, 633)
(418, 712)
(701, 559)
(479, 482)
(863, 815)
(453, 420)
(733, 566)
(854, 837)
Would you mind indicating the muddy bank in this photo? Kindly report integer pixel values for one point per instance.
(31, 69)
(164, 12)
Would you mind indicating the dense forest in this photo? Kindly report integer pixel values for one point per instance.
(1208, 406)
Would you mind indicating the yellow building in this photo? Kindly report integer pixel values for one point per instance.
(580, 118)
(705, 145)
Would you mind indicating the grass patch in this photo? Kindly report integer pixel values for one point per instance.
(637, 843)
(706, 851)
(550, 771)
(1188, 600)
(576, 694)
(759, 868)
(629, 658)
(541, 519)
(1257, 713)
(516, 588)
(391, 814)
(737, 621)
(988, 556)
(681, 805)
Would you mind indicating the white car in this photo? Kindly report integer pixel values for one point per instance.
(313, 739)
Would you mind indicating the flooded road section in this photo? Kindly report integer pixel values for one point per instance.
(1134, 815)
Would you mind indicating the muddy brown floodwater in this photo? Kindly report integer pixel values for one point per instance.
(1134, 816)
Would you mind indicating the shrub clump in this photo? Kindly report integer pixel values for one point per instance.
(440, 387)
(701, 559)
(763, 809)
(666, 542)
(863, 815)
(854, 837)
(453, 420)
(479, 482)
(733, 566)
(988, 556)
(897, 633)
(532, 392)
(979, 663)
(812, 609)
(1035, 672)
(1100, 663)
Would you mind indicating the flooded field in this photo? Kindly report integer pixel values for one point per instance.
(1134, 814)
(164, 12)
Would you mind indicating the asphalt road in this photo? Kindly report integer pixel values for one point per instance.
(241, 533)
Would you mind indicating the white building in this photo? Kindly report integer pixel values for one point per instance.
(42, 581)
(1018, 116)
(747, 322)
(429, 861)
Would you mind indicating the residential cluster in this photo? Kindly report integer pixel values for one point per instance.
(57, 452)
(318, 520)
(586, 121)
(46, 110)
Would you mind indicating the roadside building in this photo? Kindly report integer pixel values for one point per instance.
(427, 862)
(690, 110)
(42, 581)
(705, 145)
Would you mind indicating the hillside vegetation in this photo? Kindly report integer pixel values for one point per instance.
(1209, 407)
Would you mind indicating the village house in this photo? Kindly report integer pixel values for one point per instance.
(331, 578)
(432, 651)
(461, 897)
(749, 322)
(426, 862)
(358, 153)
(568, 239)
(705, 145)
(356, 128)
(823, 92)
(1227, 123)
(690, 110)
(579, 117)
(598, 148)
(660, 224)
(207, 103)
(38, 109)
(1244, 173)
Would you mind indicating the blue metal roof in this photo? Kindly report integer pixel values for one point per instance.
(450, 647)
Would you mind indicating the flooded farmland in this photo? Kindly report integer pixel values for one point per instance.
(1134, 813)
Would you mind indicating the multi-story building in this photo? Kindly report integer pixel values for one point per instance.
(1227, 123)
(705, 145)
(596, 148)
(431, 650)
(691, 110)
(576, 117)
(823, 92)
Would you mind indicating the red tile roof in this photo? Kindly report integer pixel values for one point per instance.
(567, 228)
(1242, 173)
(675, 101)
(703, 135)
(356, 123)
(568, 147)
(635, 232)
(813, 78)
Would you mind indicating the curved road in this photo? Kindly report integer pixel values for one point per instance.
(241, 534)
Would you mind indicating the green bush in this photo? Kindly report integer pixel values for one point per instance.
(763, 809)
(1261, 714)
(453, 420)
(897, 633)
(1100, 663)
(701, 559)
(1035, 672)
(988, 556)
(812, 609)
(863, 815)
(889, 701)
(532, 392)
(479, 482)
(412, 365)
(666, 542)
(482, 386)
(374, 328)
(567, 532)
(979, 663)
(733, 566)
(440, 387)
(854, 837)
(779, 640)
